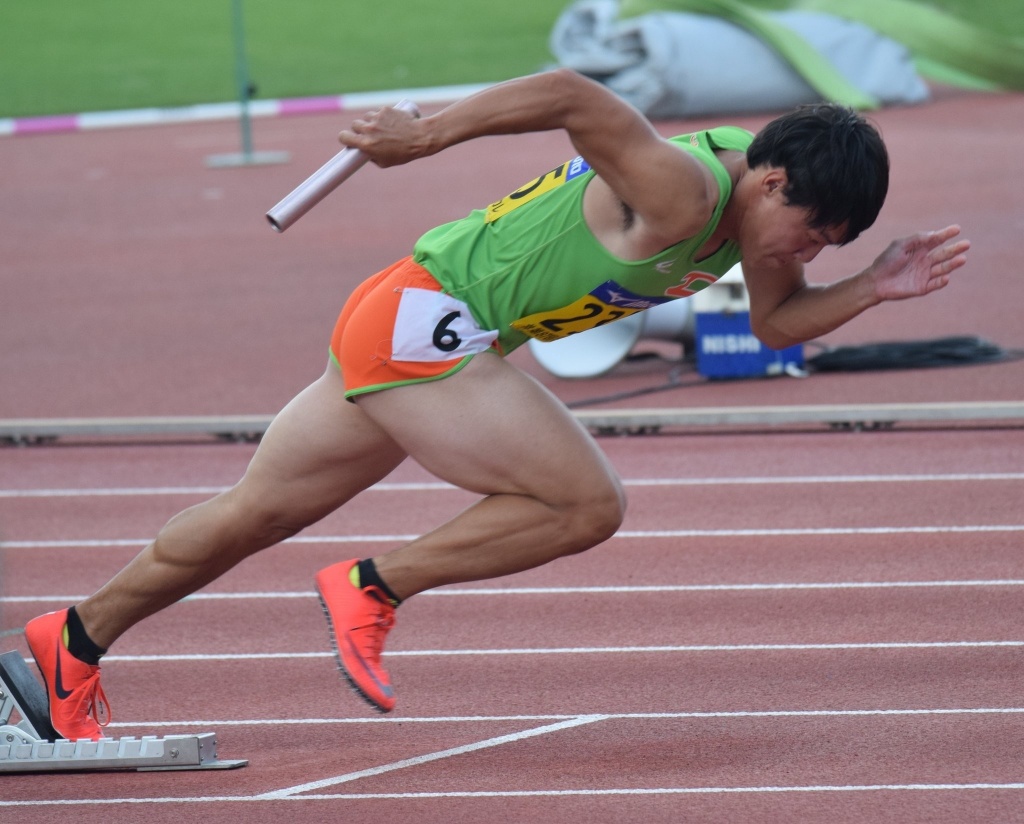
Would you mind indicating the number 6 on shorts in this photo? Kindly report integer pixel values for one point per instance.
(432, 326)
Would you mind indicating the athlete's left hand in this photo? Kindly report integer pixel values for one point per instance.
(919, 264)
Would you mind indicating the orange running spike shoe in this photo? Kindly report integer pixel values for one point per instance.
(78, 707)
(359, 620)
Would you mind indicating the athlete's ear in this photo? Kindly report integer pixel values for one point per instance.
(773, 180)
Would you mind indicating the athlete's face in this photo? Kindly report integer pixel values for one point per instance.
(779, 235)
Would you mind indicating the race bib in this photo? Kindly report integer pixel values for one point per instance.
(432, 326)
(535, 188)
(607, 303)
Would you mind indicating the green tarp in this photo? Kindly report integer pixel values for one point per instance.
(945, 49)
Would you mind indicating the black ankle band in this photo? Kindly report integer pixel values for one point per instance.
(369, 577)
(80, 644)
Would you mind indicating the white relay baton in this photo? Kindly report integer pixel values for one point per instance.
(324, 181)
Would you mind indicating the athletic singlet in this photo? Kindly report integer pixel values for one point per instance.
(528, 265)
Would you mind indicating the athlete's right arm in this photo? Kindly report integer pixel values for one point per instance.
(671, 192)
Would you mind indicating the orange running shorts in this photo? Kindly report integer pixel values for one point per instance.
(399, 327)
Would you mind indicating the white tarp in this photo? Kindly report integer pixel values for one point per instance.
(673, 64)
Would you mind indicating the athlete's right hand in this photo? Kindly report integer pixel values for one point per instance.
(388, 136)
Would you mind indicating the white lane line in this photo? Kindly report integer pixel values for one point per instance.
(830, 479)
(426, 653)
(97, 543)
(884, 645)
(581, 590)
(866, 530)
(821, 788)
(628, 534)
(92, 802)
(429, 486)
(112, 492)
(610, 716)
(779, 587)
(764, 790)
(405, 763)
(142, 491)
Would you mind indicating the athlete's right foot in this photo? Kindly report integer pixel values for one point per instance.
(78, 707)
(359, 621)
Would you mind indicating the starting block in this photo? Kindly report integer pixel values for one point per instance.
(32, 745)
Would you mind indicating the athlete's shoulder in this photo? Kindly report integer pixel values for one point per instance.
(729, 138)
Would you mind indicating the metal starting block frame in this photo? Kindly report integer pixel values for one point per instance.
(32, 745)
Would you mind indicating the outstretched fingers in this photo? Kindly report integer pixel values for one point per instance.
(919, 264)
(949, 257)
(940, 236)
(945, 260)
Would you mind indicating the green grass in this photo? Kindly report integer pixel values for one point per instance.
(60, 56)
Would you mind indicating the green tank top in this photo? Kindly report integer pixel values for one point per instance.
(528, 266)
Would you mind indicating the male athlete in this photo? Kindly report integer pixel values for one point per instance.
(416, 366)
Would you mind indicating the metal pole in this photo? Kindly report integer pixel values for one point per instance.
(247, 157)
(242, 76)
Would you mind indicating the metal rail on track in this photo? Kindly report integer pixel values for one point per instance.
(610, 421)
(840, 417)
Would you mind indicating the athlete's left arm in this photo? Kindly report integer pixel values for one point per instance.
(786, 310)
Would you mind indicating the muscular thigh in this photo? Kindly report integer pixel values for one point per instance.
(493, 429)
(320, 451)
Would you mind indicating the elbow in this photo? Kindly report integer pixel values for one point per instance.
(772, 337)
(563, 89)
(562, 84)
(569, 93)
(566, 79)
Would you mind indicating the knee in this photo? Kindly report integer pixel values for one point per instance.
(258, 526)
(597, 515)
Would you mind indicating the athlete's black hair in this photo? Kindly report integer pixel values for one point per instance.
(835, 161)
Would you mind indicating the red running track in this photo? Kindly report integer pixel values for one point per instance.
(840, 642)
(799, 626)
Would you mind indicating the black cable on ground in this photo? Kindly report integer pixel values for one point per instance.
(951, 351)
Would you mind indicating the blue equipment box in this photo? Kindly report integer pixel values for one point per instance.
(726, 348)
